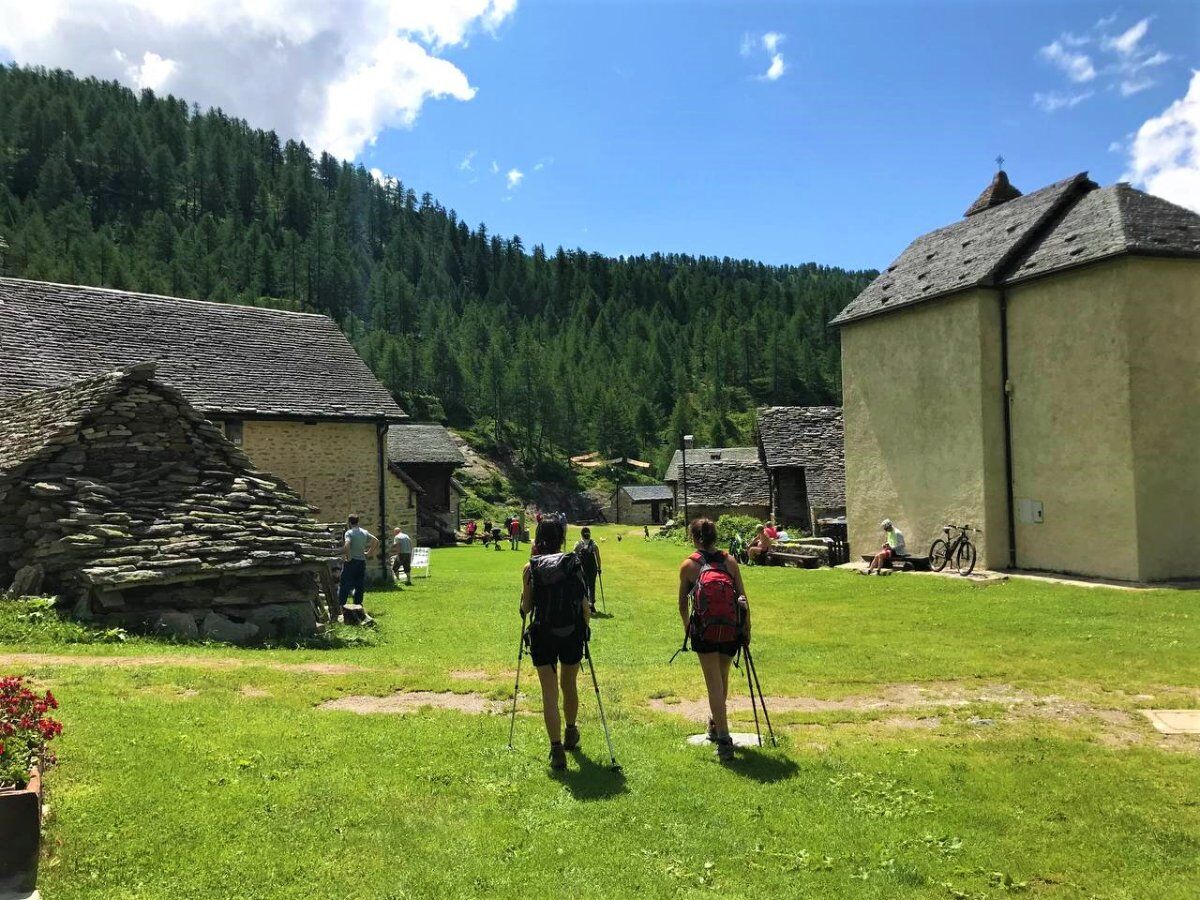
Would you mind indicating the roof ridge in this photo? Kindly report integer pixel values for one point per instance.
(148, 297)
(1053, 213)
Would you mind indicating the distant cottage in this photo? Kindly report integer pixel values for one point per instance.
(720, 481)
(1034, 370)
(120, 498)
(428, 456)
(642, 504)
(287, 388)
(801, 449)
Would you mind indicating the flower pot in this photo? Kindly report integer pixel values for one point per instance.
(20, 836)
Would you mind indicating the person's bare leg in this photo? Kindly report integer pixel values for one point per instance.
(726, 665)
(570, 693)
(549, 680)
(714, 681)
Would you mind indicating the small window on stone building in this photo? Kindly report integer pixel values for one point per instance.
(233, 431)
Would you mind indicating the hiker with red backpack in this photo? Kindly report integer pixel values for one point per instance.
(554, 592)
(716, 620)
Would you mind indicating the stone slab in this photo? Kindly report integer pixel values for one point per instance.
(740, 739)
(1174, 721)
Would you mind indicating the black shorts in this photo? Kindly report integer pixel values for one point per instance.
(548, 649)
(729, 648)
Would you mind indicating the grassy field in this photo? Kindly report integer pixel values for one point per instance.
(937, 739)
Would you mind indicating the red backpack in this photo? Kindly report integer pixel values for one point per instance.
(716, 613)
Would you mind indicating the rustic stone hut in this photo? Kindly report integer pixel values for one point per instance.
(120, 498)
(642, 504)
(427, 455)
(286, 387)
(1032, 369)
(721, 481)
(801, 448)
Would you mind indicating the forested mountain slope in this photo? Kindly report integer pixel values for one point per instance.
(565, 349)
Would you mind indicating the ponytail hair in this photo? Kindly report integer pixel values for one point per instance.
(704, 531)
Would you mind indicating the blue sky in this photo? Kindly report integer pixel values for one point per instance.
(644, 126)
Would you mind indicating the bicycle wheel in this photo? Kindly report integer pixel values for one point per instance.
(939, 555)
(964, 559)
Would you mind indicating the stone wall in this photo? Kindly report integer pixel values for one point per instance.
(333, 466)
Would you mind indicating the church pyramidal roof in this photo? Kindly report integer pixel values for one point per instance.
(999, 191)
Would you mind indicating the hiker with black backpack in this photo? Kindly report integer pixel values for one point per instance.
(553, 590)
(716, 620)
(588, 552)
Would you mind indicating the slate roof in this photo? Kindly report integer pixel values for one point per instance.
(423, 444)
(727, 484)
(648, 493)
(808, 437)
(999, 191)
(180, 502)
(227, 360)
(1067, 224)
(718, 455)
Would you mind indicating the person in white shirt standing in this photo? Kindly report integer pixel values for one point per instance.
(402, 555)
(359, 544)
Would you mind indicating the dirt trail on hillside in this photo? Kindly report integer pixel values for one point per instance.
(18, 660)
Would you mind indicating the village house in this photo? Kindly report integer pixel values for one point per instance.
(1033, 370)
(720, 481)
(642, 504)
(125, 502)
(428, 457)
(286, 387)
(801, 449)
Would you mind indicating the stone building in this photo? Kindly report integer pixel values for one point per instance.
(427, 455)
(1034, 370)
(801, 449)
(120, 498)
(720, 481)
(286, 387)
(642, 504)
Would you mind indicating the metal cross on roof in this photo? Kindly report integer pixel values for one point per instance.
(999, 162)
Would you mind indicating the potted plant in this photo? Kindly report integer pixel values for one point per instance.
(25, 729)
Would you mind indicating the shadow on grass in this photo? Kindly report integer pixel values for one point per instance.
(763, 766)
(599, 614)
(591, 780)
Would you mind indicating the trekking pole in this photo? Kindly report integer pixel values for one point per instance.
(517, 684)
(753, 705)
(587, 652)
(754, 671)
(603, 602)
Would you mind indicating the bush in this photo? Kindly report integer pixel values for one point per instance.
(728, 526)
(25, 729)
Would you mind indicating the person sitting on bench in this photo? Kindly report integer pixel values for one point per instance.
(760, 548)
(893, 546)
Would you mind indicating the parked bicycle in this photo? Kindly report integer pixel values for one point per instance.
(959, 548)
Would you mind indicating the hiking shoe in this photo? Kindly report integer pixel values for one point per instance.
(571, 738)
(725, 749)
(558, 756)
(712, 731)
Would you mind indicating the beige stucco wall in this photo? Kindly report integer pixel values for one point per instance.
(401, 506)
(924, 424)
(629, 513)
(332, 465)
(1072, 435)
(1163, 315)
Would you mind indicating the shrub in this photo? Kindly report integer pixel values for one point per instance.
(728, 526)
(25, 729)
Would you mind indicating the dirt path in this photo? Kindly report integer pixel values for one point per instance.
(31, 660)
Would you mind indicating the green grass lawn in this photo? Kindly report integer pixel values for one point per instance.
(937, 739)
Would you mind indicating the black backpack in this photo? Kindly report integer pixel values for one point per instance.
(558, 593)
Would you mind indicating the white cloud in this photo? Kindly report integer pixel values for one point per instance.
(1127, 41)
(385, 180)
(1053, 101)
(513, 178)
(468, 162)
(495, 167)
(769, 43)
(1077, 66)
(335, 74)
(1164, 156)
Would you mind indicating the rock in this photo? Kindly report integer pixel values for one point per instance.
(28, 581)
(269, 619)
(217, 627)
(300, 621)
(169, 623)
(47, 489)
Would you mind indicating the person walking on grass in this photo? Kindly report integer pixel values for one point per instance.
(357, 545)
(553, 590)
(589, 554)
(716, 620)
(514, 533)
(402, 555)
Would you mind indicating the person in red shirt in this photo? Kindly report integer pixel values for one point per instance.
(514, 533)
